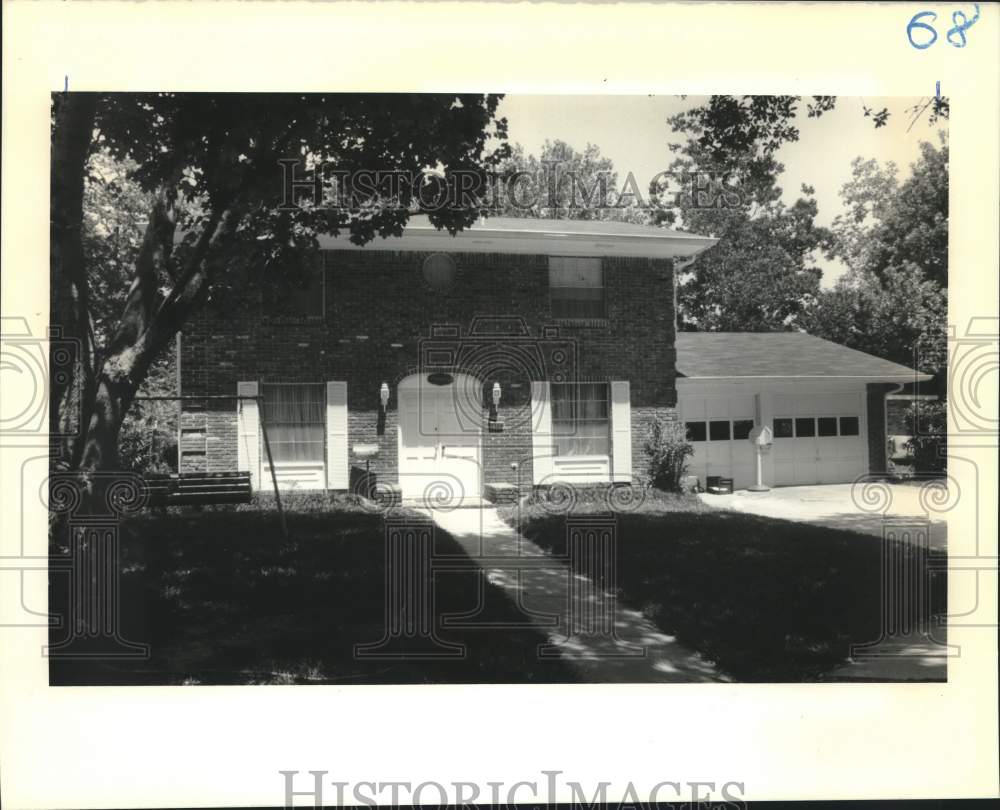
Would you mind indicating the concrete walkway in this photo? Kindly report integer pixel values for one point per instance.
(604, 641)
(834, 505)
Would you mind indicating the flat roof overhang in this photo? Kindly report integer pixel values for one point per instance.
(553, 240)
(868, 378)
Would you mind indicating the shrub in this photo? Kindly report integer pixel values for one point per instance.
(668, 449)
(147, 442)
(929, 443)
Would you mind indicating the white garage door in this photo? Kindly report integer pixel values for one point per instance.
(718, 428)
(818, 438)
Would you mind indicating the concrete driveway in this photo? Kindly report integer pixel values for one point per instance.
(861, 508)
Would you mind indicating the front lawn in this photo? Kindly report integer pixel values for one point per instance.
(764, 599)
(223, 599)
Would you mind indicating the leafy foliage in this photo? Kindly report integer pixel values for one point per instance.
(929, 443)
(894, 238)
(582, 185)
(900, 318)
(761, 275)
(668, 450)
(891, 224)
(209, 191)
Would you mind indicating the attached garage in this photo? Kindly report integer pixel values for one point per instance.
(816, 396)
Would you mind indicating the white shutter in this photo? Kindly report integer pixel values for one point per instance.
(337, 475)
(621, 431)
(248, 432)
(541, 431)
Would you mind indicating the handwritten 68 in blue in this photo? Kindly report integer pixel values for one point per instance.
(956, 35)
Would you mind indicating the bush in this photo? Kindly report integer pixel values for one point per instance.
(929, 443)
(147, 442)
(668, 450)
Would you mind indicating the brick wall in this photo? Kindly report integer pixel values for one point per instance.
(382, 322)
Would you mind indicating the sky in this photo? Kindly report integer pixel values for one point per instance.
(632, 131)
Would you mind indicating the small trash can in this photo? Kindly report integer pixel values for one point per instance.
(717, 485)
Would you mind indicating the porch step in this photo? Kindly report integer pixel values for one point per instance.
(500, 493)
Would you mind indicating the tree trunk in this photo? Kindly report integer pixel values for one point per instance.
(70, 297)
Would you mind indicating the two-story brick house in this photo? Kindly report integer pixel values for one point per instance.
(440, 361)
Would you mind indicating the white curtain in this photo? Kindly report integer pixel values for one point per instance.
(294, 415)
(581, 425)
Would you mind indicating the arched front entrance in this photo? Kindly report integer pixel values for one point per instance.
(440, 449)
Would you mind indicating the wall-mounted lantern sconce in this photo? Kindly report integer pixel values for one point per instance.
(383, 397)
(495, 425)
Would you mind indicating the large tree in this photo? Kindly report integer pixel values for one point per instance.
(215, 198)
(762, 274)
(892, 302)
(564, 183)
(723, 182)
(889, 224)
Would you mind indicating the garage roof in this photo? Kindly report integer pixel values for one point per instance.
(706, 355)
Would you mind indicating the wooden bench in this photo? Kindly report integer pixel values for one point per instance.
(196, 488)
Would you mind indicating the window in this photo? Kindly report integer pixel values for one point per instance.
(576, 288)
(782, 428)
(827, 425)
(295, 416)
(848, 426)
(581, 424)
(805, 427)
(718, 430)
(742, 428)
(295, 294)
(695, 431)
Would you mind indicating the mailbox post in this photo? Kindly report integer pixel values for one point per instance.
(761, 437)
(367, 452)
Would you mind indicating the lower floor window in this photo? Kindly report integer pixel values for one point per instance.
(581, 424)
(295, 417)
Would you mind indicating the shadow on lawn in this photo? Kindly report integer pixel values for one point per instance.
(223, 599)
(764, 599)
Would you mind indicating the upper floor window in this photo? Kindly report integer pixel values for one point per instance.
(296, 295)
(576, 288)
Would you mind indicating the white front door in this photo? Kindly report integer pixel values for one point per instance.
(439, 442)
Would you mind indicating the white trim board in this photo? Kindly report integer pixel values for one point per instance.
(479, 239)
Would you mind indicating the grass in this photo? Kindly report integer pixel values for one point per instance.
(222, 598)
(764, 599)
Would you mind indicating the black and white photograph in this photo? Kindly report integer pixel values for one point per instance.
(433, 390)
(383, 394)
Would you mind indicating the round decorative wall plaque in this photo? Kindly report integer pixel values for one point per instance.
(440, 271)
